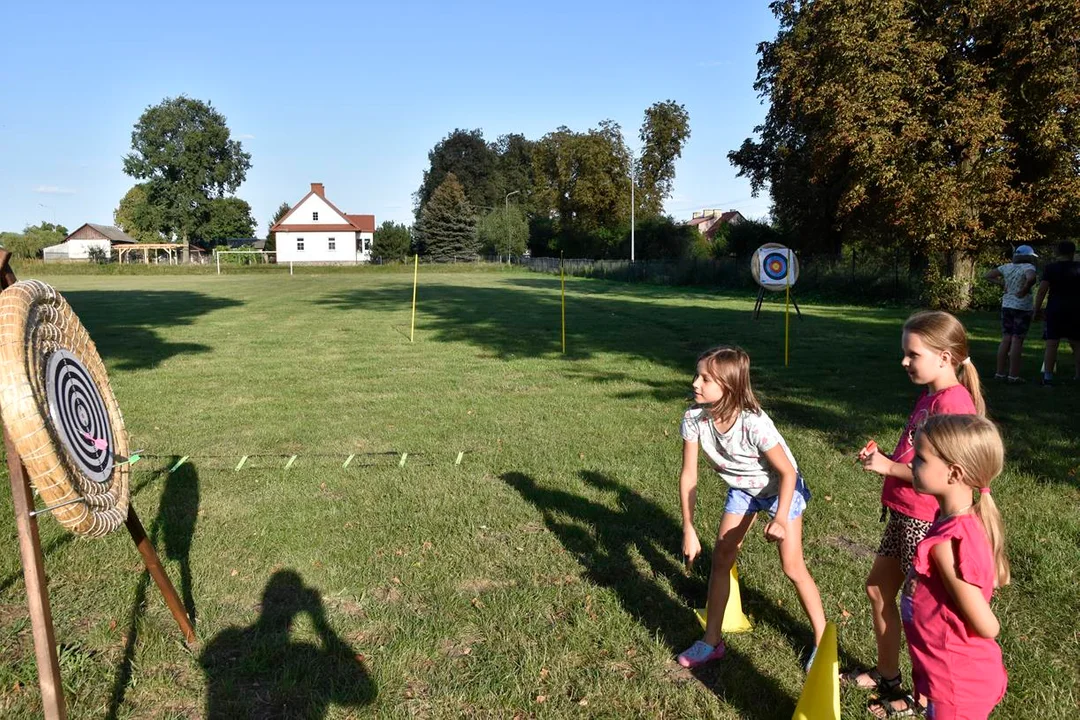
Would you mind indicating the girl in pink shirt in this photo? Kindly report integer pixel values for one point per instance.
(935, 351)
(945, 603)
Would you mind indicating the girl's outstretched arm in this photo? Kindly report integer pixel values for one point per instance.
(776, 530)
(969, 598)
(688, 499)
(881, 464)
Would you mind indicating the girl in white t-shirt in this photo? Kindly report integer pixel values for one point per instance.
(743, 447)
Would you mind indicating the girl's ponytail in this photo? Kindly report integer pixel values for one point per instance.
(969, 378)
(986, 509)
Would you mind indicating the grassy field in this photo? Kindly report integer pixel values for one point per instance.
(541, 576)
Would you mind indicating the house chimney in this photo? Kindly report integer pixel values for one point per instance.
(317, 188)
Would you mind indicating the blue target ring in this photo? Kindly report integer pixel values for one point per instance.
(775, 266)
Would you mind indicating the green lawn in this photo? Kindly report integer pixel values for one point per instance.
(541, 577)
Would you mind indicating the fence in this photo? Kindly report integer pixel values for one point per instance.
(850, 277)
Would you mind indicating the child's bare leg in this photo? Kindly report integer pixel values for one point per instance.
(791, 557)
(1050, 356)
(882, 585)
(733, 529)
(1003, 353)
(1016, 353)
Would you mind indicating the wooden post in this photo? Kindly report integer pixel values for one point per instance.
(37, 592)
(153, 566)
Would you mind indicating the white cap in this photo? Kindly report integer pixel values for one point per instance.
(1025, 250)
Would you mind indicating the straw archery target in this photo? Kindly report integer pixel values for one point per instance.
(60, 412)
(774, 266)
(79, 415)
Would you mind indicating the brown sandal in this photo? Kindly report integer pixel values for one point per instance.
(883, 685)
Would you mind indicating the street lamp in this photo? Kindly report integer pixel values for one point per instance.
(631, 215)
(507, 217)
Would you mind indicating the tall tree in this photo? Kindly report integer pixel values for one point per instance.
(33, 239)
(226, 218)
(271, 236)
(137, 217)
(392, 241)
(584, 178)
(948, 127)
(183, 150)
(663, 135)
(447, 227)
(466, 155)
(503, 230)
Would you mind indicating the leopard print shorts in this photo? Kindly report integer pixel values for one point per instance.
(902, 535)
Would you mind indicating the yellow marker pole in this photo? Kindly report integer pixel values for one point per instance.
(562, 279)
(416, 270)
(787, 311)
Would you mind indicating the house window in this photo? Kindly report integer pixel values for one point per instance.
(367, 244)
(315, 217)
(299, 244)
(332, 244)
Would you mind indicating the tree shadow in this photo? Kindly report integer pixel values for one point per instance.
(178, 510)
(258, 672)
(639, 526)
(122, 322)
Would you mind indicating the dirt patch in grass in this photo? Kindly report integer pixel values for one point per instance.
(852, 547)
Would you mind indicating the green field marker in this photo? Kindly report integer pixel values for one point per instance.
(241, 463)
(179, 462)
(347, 461)
(403, 457)
(291, 461)
(459, 456)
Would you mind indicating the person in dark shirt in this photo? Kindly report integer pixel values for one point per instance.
(1061, 279)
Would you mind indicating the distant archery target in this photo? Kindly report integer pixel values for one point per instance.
(60, 411)
(774, 266)
(79, 415)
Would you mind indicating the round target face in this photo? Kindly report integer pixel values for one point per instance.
(79, 416)
(775, 265)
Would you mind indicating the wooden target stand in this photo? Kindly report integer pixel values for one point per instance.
(37, 592)
(761, 299)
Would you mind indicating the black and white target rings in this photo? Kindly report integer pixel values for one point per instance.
(60, 411)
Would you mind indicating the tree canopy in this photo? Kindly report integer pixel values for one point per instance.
(392, 241)
(137, 217)
(447, 227)
(226, 218)
(183, 151)
(946, 127)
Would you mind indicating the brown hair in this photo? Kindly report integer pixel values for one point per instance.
(942, 332)
(730, 367)
(974, 444)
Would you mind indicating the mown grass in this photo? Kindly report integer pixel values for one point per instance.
(541, 576)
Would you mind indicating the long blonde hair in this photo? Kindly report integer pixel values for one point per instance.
(730, 368)
(974, 444)
(942, 332)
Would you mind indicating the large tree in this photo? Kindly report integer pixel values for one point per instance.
(137, 217)
(183, 151)
(447, 227)
(226, 218)
(33, 239)
(472, 161)
(503, 231)
(663, 134)
(392, 241)
(946, 127)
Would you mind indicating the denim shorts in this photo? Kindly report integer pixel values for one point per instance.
(740, 502)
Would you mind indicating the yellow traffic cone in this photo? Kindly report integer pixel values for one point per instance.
(820, 699)
(734, 619)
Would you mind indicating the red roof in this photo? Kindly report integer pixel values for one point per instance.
(363, 223)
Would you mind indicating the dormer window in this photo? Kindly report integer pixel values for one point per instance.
(315, 217)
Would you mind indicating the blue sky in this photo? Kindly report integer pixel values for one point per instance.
(354, 95)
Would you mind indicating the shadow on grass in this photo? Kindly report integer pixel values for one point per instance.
(639, 526)
(178, 510)
(844, 381)
(258, 672)
(122, 322)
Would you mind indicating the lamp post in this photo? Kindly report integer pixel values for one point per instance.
(631, 215)
(507, 218)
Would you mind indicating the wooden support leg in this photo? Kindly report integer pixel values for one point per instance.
(760, 300)
(37, 593)
(153, 566)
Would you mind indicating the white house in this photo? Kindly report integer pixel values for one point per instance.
(316, 231)
(77, 245)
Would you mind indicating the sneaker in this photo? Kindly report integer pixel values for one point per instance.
(1047, 381)
(999, 376)
(810, 660)
(700, 653)
(1016, 380)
